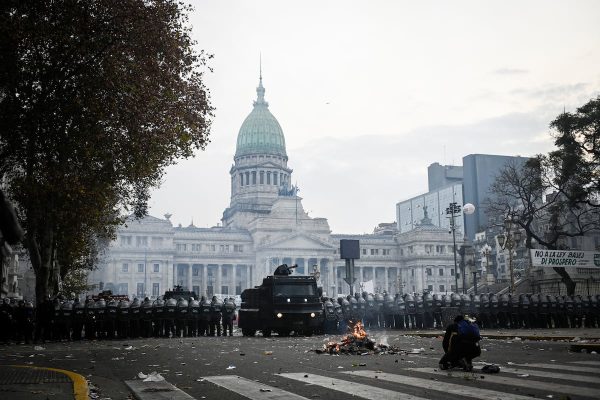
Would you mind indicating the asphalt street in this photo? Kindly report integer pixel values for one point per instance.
(288, 367)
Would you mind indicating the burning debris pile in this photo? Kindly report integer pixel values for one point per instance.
(357, 343)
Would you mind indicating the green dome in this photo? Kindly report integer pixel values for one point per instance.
(260, 132)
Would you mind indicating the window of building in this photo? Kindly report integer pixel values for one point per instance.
(140, 290)
(262, 177)
(141, 241)
(156, 268)
(241, 179)
(413, 289)
(247, 178)
(238, 290)
(140, 267)
(195, 270)
(226, 248)
(412, 272)
(274, 178)
(196, 289)
(238, 248)
(428, 271)
(156, 289)
(374, 252)
(125, 240)
(442, 288)
(224, 272)
(180, 271)
(254, 177)
(429, 248)
(221, 248)
(123, 288)
(452, 273)
(452, 288)
(364, 251)
(224, 289)
(212, 247)
(125, 267)
(157, 242)
(441, 271)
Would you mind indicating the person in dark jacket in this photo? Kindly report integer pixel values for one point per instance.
(461, 344)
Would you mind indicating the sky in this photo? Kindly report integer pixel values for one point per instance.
(370, 93)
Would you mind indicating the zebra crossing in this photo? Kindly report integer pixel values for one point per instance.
(514, 382)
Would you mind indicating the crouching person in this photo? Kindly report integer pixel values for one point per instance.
(461, 344)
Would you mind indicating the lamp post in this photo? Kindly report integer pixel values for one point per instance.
(452, 211)
(486, 251)
(509, 240)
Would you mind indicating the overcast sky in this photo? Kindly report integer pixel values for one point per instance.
(370, 93)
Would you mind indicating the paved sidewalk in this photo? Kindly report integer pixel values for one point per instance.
(577, 334)
(19, 382)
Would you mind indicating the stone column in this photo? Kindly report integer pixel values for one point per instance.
(385, 279)
(189, 277)
(218, 279)
(203, 291)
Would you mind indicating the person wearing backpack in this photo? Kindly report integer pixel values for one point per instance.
(461, 344)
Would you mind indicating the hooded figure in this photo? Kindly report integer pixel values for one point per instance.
(461, 344)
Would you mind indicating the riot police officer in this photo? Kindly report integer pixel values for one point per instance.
(570, 311)
(330, 320)
(158, 316)
(560, 315)
(411, 311)
(123, 318)
(216, 313)
(379, 320)
(346, 312)
(90, 319)
(389, 309)
(353, 308)
(437, 310)
(170, 312)
(579, 313)
(181, 318)
(362, 307)
(147, 313)
(427, 310)
(66, 319)
(78, 318)
(494, 310)
(420, 313)
(204, 317)
(56, 315)
(504, 311)
(193, 316)
(228, 316)
(100, 311)
(400, 315)
(24, 315)
(371, 310)
(484, 311)
(534, 311)
(339, 315)
(111, 318)
(6, 320)
(523, 313)
(475, 306)
(134, 318)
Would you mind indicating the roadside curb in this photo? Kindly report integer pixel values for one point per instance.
(579, 347)
(80, 386)
(508, 336)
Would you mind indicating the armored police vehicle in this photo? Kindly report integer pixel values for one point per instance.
(282, 304)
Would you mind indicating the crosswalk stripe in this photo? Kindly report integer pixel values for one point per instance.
(351, 388)
(460, 390)
(251, 389)
(560, 367)
(551, 375)
(585, 362)
(520, 382)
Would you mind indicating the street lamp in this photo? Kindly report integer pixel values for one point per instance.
(452, 211)
(509, 240)
(486, 251)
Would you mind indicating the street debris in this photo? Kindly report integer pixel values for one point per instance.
(231, 367)
(151, 377)
(38, 348)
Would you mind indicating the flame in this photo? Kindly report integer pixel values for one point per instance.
(358, 331)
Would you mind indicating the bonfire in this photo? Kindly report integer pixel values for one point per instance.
(357, 342)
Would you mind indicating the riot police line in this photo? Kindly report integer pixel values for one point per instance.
(415, 311)
(106, 318)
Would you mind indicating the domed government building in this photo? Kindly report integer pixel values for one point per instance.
(265, 225)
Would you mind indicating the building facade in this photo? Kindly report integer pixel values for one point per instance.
(265, 225)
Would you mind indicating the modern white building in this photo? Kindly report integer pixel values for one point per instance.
(265, 225)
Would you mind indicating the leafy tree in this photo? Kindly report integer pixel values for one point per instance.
(555, 196)
(97, 97)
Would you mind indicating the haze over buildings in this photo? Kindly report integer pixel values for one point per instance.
(370, 94)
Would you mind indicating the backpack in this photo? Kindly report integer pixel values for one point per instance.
(469, 330)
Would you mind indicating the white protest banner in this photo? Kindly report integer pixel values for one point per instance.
(565, 258)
